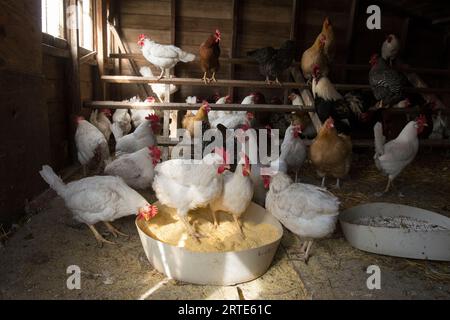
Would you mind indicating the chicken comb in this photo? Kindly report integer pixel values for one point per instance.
(152, 118)
(266, 181)
(246, 158)
(245, 127)
(421, 119)
(206, 106)
(142, 36)
(223, 153)
(316, 69)
(148, 212)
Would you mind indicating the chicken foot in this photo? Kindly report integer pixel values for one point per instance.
(205, 79)
(114, 231)
(213, 78)
(99, 237)
(304, 250)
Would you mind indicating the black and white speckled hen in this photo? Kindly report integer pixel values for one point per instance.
(272, 62)
(386, 83)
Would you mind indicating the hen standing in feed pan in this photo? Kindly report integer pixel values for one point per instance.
(214, 240)
(397, 230)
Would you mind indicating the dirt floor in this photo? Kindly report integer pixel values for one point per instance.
(34, 260)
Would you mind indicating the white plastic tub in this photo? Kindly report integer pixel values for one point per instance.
(430, 245)
(221, 268)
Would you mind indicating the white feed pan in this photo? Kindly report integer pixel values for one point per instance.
(221, 268)
(399, 242)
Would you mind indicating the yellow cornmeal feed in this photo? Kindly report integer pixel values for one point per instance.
(167, 228)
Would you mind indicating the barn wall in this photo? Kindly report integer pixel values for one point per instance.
(23, 118)
(266, 22)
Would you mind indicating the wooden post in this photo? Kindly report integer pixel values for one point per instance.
(232, 68)
(349, 39)
(404, 36)
(124, 49)
(73, 68)
(101, 39)
(293, 35)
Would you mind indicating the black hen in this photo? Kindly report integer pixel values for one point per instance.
(386, 83)
(272, 62)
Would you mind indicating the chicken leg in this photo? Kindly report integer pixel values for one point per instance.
(277, 81)
(304, 250)
(389, 184)
(205, 79)
(323, 182)
(161, 75)
(99, 237)
(191, 229)
(114, 231)
(338, 184)
(239, 226)
(216, 221)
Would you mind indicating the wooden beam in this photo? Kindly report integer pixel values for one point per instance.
(87, 58)
(194, 106)
(122, 46)
(445, 20)
(55, 52)
(249, 84)
(359, 143)
(234, 32)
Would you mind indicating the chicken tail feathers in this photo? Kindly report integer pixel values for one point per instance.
(52, 179)
(380, 139)
(186, 56)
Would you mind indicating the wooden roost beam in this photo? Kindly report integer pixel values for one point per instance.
(248, 84)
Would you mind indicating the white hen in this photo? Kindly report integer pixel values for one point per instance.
(158, 88)
(123, 119)
(92, 147)
(140, 138)
(236, 195)
(308, 211)
(293, 150)
(392, 157)
(163, 56)
(137, 168)
(101, 121)
(98, 199)
(189, 184)
(138, 115)
(234, 119)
